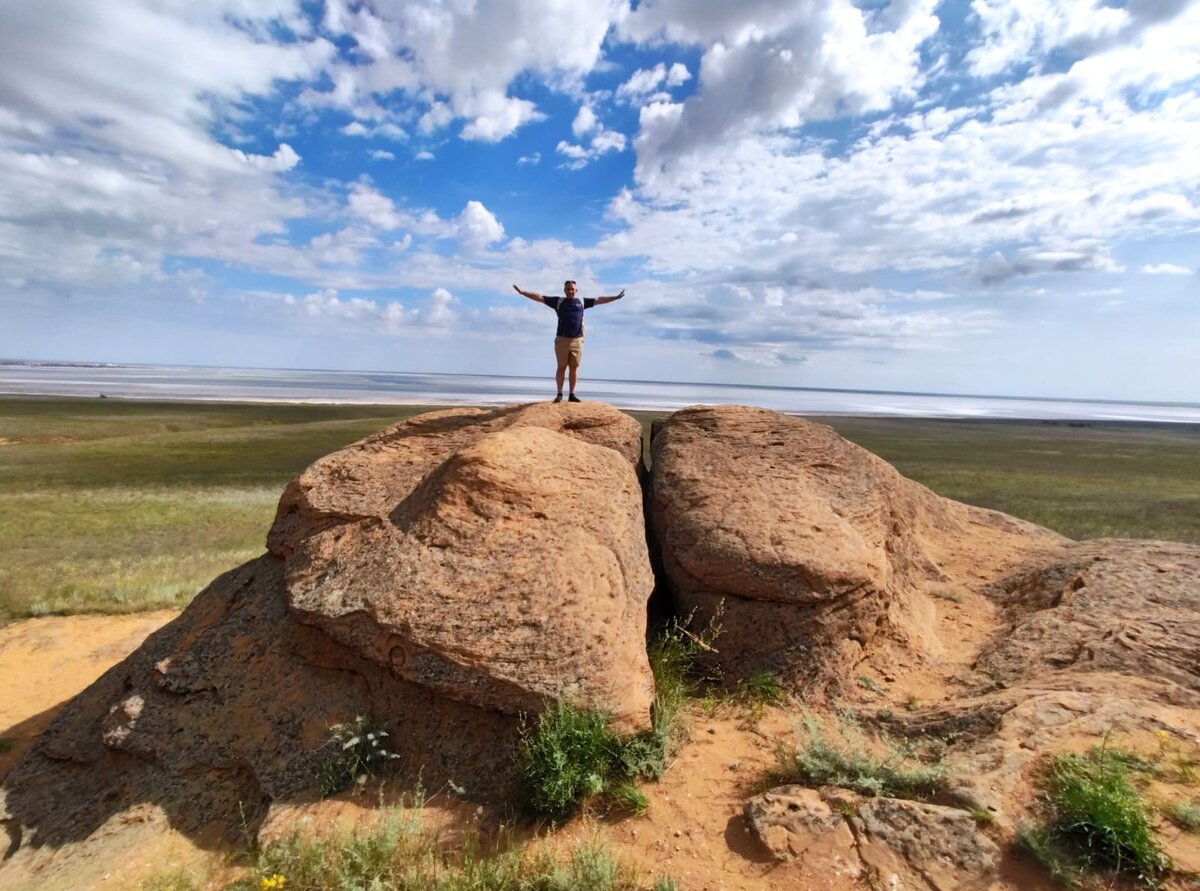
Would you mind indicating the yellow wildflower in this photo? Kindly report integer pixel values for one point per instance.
(274, 881)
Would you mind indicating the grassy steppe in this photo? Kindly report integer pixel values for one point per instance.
(114, 506)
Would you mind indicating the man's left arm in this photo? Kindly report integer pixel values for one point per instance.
(600, 300)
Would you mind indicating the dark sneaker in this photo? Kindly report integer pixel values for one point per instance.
(573, 398)
(558, 398)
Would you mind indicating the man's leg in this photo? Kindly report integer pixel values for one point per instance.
(574, 377)
(559, 374)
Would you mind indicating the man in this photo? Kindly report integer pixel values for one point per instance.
(568, 340)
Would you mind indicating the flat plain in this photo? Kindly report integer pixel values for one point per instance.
(115, 506)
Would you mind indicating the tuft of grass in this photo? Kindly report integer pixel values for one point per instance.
(570, 756)
(400, 854)
(675, 655)
(1184, 814)
(1040, 843)
(357, 750)
(173, 880)
(869, 683)
(1098, 816)
(844, 756)
(758, 691)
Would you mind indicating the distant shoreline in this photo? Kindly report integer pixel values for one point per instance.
(300, 387)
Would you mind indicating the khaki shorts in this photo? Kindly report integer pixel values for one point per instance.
(568, 351)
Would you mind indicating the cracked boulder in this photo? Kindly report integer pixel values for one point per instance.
(440, 578)
(812, 551)
(889, 842)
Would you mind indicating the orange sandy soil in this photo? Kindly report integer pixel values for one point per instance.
(694, 830)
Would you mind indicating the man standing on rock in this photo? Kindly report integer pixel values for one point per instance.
(568, 340)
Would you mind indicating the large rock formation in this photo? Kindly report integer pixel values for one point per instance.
(810, 549)
(442, 577)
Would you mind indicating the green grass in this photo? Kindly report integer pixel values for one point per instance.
(569, 755)
(1096, 817)
(1184, 814)
(1106, 479)
(842, 755)
(401, 855)
(111, 506)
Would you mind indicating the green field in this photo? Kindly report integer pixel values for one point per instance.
(115, 506)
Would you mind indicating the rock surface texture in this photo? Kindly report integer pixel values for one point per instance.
(887, 842)
(441, 577)
(812, 550)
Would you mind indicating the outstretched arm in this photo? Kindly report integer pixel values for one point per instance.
(600, 300)
(532, 295)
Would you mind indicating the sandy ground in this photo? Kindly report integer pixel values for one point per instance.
(694, 830)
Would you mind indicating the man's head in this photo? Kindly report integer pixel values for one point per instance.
(569, 288)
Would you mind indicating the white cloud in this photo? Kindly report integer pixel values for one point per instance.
(477, 227)
(1166, 269)
(585, 121)
(533, 158)
(462, 57)
(771, 65)
(678, 74)
(374, 207)
(382, 155)
(997, 268)
(423, 156)
(107, 146)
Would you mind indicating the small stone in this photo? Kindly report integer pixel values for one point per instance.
(712, 729)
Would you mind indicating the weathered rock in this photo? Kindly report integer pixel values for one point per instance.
(794, 822)
(507, 571)
(440, 577)
(814, 546)
(369, 478)
(1102, 608)
(901, 844)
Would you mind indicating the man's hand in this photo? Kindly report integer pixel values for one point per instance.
(611, 298)
(530, 294)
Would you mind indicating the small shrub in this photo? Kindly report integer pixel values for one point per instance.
(1184, 814)
(1095, 811)
(357, 750)
(567, 757)
(845, 757)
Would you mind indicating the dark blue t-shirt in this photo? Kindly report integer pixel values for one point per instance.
(570, 314)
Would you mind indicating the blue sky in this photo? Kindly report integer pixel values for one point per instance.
(994, 197)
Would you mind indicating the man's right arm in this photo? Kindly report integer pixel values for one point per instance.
(532, 295)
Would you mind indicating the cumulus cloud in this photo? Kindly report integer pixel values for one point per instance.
(107, 145)
(462, 58)
(773, 65)
(374, 207)
(477, 227)
(435, 316)
(1166, 269)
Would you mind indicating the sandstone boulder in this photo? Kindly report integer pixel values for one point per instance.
(813, 547)
(441, 578)
(891, 842)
